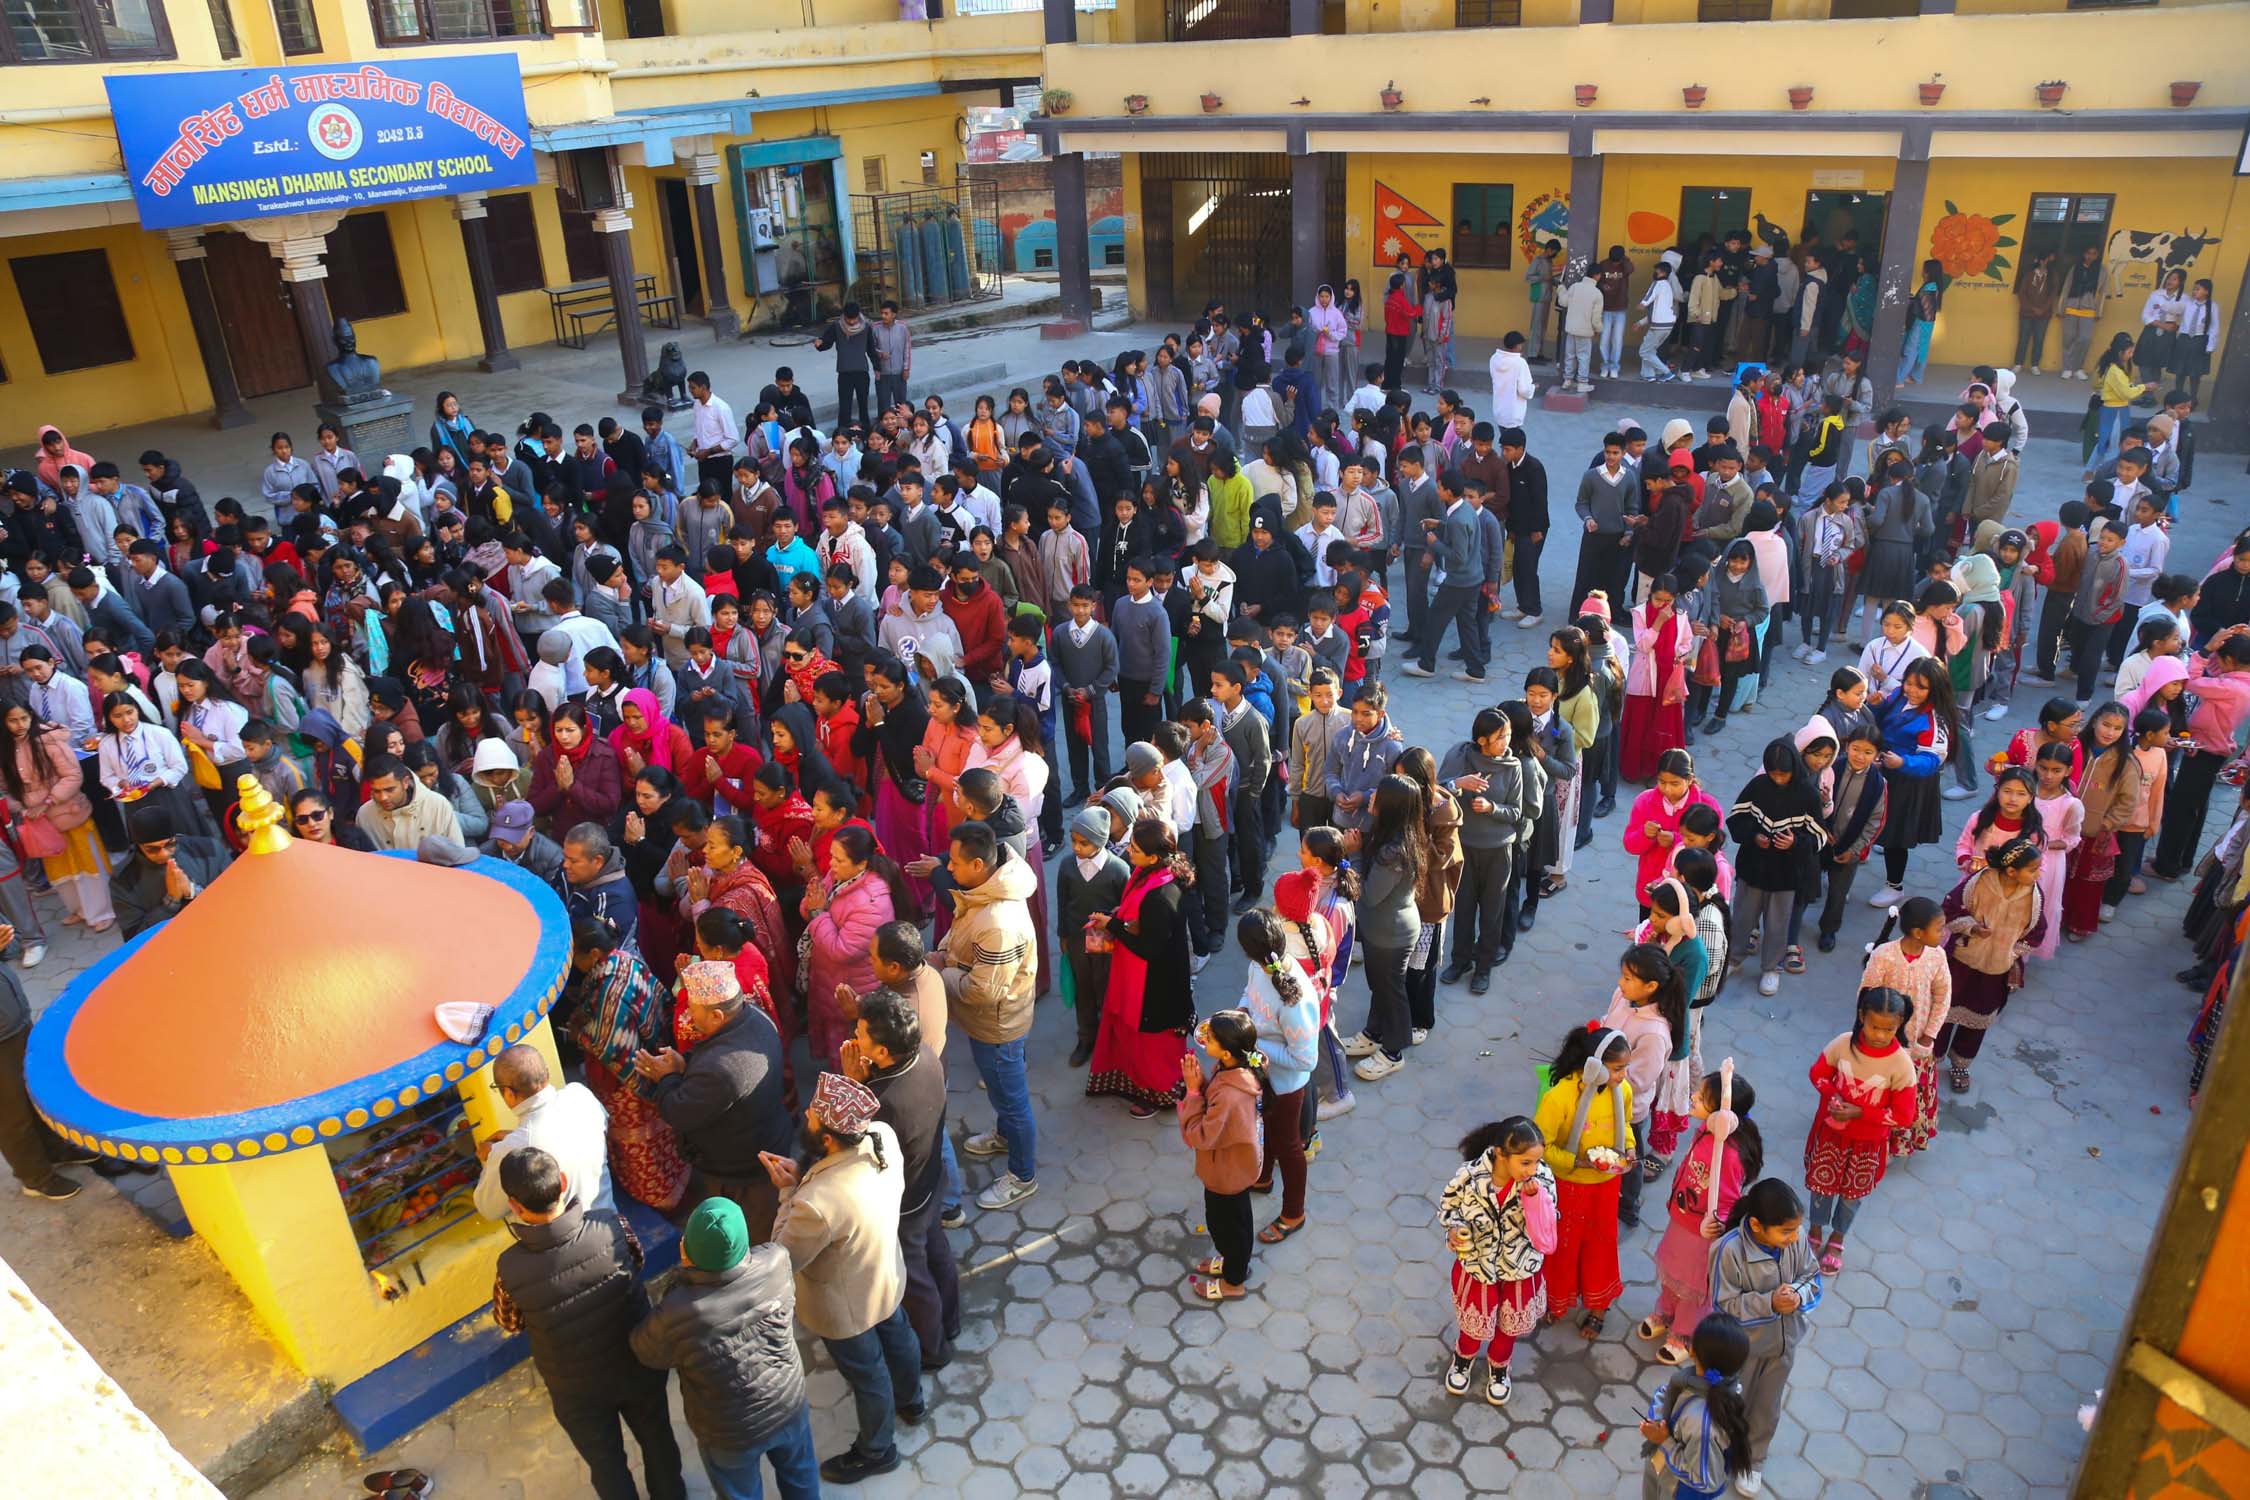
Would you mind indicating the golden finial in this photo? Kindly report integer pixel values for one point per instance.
(260, 817)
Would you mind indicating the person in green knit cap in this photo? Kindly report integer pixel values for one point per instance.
(728, 1326)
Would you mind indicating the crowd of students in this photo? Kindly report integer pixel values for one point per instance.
(777, 713)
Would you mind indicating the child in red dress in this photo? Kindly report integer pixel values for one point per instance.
(1866, 1084)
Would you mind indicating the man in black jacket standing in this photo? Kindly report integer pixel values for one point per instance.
(727, 1325)
(886, 1053)
(1527, 521)
(724, 1101)
(853, 339)
(572, 1283)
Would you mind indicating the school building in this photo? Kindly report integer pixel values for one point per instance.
(1273, 145)
(730, 164)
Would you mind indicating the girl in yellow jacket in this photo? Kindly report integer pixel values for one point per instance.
(2114, 395)
(1586, 1115)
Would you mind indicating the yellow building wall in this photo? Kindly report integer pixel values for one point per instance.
(1978, 324)
(165, 373)
(1492, 302)
(1746, 67)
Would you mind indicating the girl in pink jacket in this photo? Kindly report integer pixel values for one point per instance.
(1652, 830)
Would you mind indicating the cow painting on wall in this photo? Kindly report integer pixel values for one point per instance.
(2159, 249)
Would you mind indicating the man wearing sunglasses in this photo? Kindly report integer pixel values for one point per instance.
(165, 871)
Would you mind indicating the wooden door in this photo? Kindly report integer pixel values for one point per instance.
(254, 312)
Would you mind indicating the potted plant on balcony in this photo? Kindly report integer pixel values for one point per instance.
(1692, 95)
(2183, 94)
(1212, 104)
(1136, 104)
(2051, 92)
(1800, 96)
(1055, 101)
(1931, 92)
(1585, 93)
(1392, 98)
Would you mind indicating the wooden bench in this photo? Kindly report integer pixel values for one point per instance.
(583, 308)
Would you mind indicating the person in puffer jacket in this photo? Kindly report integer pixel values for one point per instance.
(572, 1282)
(1361, 757)
(727, 1325)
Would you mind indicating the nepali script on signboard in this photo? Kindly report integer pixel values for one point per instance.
(245, 143)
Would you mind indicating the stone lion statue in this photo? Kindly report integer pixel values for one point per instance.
(669, 379)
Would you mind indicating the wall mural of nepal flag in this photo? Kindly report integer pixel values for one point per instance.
(245, 143)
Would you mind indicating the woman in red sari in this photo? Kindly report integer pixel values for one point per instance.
(619, 1010)
(1655, 718)
(1149, 1007)
(728, 878)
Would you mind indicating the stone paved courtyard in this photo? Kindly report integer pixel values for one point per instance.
(1987, 1283)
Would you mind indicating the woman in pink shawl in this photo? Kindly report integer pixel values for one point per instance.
(1655, 718)
(645, 737)
(1008, 744)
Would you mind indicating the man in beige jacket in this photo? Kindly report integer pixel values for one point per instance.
(839, 1222)
(990, 964)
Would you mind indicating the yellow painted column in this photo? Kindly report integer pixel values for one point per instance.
(278, 1226)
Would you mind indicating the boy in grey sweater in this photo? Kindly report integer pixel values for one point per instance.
(1084, 654)
(1247, 735)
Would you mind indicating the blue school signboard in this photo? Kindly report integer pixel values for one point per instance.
(247, 143)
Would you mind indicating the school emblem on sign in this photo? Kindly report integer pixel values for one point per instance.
(335, 132)
(1544, 218)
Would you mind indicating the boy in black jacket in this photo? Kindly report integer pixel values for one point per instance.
(572, 1283)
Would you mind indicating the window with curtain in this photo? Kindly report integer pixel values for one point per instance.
(363, 279)
(76, 31)
(404, 21)
(1484, 225)
(299, 27)
(511, 230)
(70, 301)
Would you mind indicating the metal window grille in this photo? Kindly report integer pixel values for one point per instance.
(1488, 13)
(406, 1180)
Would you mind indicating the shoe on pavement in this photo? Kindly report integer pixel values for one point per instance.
(851, 1466)
(34, 954)
(1770, 984)
(1415, 669)
(988, 1144)
(1248, 903)
(1007, 1190)
(1455, 973)
(953, 1216)
(1457, 1374)
(1421, 1034)
(56, 1189)
(1329, 1109)
(1509, 612)
(1496, 1384)
(1081, 1054)
(1361, 1045)
(1889, 895)
(1815, 657)
(1749, 1482)
(1482, 983)
(2108, 911)
(1958, 793)
(1377, 1068)
(2032, 371)
(1826, 942)
(1468, 677)
(1195, 964)
(1528, 622)
(1996, 712)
